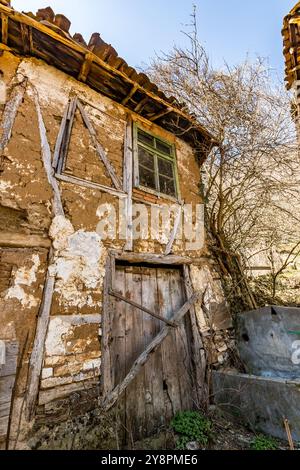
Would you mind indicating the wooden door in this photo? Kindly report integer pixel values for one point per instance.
(165, 383)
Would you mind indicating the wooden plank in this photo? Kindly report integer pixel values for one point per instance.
(10, 112)
(6, 386)
(118, 351)
(22, 240)
(63, 154)
(142, 308)
(168, 348)
(60, 137)
(89, 184)
(4, 410)
(182, 340)
(129, 352)
(37, 355)
(127, 184)
(86, 67)
(100, 150)
(135, 392)
(198, 351)
(154, 393)
(177, 222)
(142, 359)
(106, 364)
(4, 28)
(152, 258)
(11, 358)
(3, 426)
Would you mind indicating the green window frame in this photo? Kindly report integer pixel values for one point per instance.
(155, 164)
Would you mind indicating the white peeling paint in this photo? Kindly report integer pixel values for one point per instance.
(55, 345)
(24, 277)
(79, 263)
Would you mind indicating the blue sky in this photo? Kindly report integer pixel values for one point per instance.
(229, 29)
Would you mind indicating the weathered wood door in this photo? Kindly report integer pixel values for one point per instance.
(165, 383)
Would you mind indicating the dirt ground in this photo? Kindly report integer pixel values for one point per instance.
(227, 434)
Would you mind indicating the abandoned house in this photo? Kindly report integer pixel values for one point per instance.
(117, 324)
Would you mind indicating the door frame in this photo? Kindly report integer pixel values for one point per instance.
(198, 352)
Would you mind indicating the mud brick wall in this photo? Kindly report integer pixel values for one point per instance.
(67, 245)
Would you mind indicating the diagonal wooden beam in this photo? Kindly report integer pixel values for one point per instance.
(160, 115)
(130, 95)
(100, 150)
(66, 137)
(60, 137)
(141, 105)
(142, 308)
(10, 113)
(112, 398)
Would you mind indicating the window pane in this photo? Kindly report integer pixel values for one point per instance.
(164, 148)
(167, 186)
(145, 138)
(165, 168)
(146, 159)
(147, 178)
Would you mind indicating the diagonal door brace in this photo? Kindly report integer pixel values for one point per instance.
(112, 398)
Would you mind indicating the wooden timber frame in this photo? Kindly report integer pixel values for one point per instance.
(109, 394)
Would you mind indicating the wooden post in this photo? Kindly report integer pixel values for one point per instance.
(143, 358)
(127, 184)
(4, 33)
(37, 355)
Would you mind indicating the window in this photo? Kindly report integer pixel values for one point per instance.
(155, 164)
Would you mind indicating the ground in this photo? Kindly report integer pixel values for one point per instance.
(227, 434)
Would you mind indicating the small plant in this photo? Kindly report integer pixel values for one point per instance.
(191, 426)
(262, 442)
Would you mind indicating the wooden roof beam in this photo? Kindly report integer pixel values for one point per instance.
(160, 114)
(26, 32)
(130, 94)
(141, 105)
(86, 67)
(4, 29)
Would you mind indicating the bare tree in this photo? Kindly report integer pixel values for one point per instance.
(251, 179)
